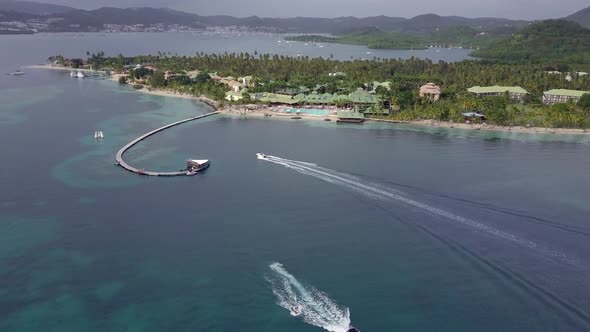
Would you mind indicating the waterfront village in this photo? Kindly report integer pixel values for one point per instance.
(372, 100)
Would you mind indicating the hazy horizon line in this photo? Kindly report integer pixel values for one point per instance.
(315, 17)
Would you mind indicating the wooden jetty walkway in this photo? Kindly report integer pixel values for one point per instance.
(124, 149)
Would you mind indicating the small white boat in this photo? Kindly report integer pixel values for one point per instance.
(100, 134)
(72, 74)
(296, 310)
(80, 75)
(260, 155)
(18, 73)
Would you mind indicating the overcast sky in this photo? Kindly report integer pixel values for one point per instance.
(514, 9)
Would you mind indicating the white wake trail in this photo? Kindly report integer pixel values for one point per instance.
(317, 308)
(375, 191)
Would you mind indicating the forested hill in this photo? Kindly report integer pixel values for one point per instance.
(59, 18)
(93, 20)
(35, 8)
(558, 41)
(582, 17)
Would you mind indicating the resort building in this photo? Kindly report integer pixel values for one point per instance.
(430, 91)
(568, 76)
(235, 85)
(275, 98)
(169, 75)
(515, 93)
(350, 117)
(360, 100)
(233, 96)
(558, 96)
(246, 80)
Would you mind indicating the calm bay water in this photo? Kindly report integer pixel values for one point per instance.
(40, 46)
(412, 229)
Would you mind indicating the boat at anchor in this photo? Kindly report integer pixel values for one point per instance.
(79, 74)
(193, 166)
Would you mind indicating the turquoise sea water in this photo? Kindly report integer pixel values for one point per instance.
(393, 227)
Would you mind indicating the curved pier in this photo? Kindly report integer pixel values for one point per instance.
(124, 149)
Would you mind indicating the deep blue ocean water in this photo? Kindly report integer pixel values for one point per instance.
(407, 228)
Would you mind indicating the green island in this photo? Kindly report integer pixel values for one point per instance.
(473, 92)
(566, 42)
(552, 40)
(374, 38)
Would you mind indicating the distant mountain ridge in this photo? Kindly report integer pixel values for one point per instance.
(30, 7)
(582, 17)
(91, 20)
(63, 19)
(72, 19)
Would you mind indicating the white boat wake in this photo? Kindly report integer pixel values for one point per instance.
(316, 308)
(383, 193)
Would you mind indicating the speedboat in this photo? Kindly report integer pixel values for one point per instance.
(352, 329)
(260, 155)
(296, 310)
(18, 73)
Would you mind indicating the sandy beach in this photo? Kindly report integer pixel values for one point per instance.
(262, 111)
(167, 92)
(52, 67)
(485, 127)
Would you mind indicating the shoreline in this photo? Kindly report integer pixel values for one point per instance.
(483, 127)
(263, 111)
(62, 68)
(240, 110)
(166, 92)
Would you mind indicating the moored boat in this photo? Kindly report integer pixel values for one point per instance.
(194, 165)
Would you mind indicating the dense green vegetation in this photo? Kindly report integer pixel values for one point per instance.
(552, 40)
(455, 36)
(278, 73)
(561, 42)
